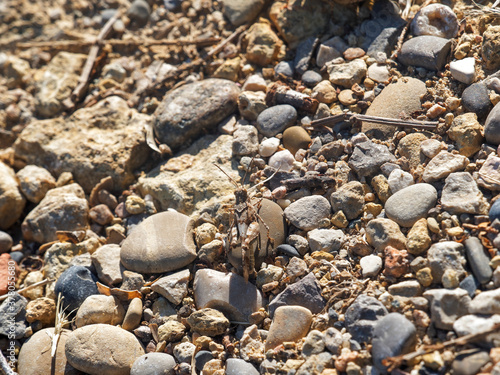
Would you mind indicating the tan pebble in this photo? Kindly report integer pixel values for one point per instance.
(133, 316)
(418, 238)
(369, 83)
(170, 331)
(452, 103)
(450, 279)
(290, 323)
(347, 97)
(42, 309)
(433, 360)
(433, 225)
(295, 138)
(100, 309)
(324, 92)
(455, 231)
(353, 53)
(135, 205)
(424, 276)
(339, 220)
(322, 255)
(495, 262)
(421, 318)
(373, 208)
(205, 233)
(208, 322)
(435, 111)
(32, 278)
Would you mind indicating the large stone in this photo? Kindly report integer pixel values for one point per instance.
(462, 195)
(190, 110)
(102, 349)
(446, 306)
(446, 255)
(239, 12)
(106, 139)
(13, 316)
(100, 309)
(362, 316)
(492, 126)
(307, 212)
(11, 200)
(161, 243)
(63, 208)
(395, 99)
(411, 204)
(442, 165)
(426, 51)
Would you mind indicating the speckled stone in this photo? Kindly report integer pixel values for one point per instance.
(154, 364)
(475, 98)
(426, 51)
(492, 126)
(306, 213)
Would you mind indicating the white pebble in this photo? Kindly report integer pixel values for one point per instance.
(463, 70)
(282, 160)
(370, 265)
(268, 147)
(399, 179)
(255, 83)
(378, 73)
(431, 147)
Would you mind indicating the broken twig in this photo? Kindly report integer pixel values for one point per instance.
(40, 283)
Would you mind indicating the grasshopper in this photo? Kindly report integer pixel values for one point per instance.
(244, 228)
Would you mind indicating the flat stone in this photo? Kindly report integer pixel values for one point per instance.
(381, 233)
(237, 366)
(100, 309)
(161, 243)
(370, 265)
(431, 147)
(471, 324)
(396, 98)
(362, 316)
(34, 182)
(347, 74)
(188, 111)
(306, 213)
(11, 200)
(173, 287)
(13, 307)
(442, 165)
(446, 255)
(487, 302)
(240, 12)
(102, 349)
(470, 362)
(229, 293)
(349, 198)
(285, 67)
(276, 119)
(305, 292)
(35, 359)
(378, 73)
(42, 309)
(368, 157)
(75, 285)
(245, 141)
(106, 261)
(475, 98)
(408, 288)
(446, 306)
(208, 322)
(426, 51)
(461, 195)
(466, 131)
(290, 323)
(154, 364)
(392, 335)
(329, 240)
(463, 70)
(492, 126)
(489, 174)
(399, 179)
(478, 260)
(411, 204)
(333, 340)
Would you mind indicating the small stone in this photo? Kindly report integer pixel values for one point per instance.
(446, 306)
(329, 50)
(305, 292)
(139, 12)
(237, 366)
(135, 205)
(275, 119)
(411, 204)
(381, 187)
(464, 70)
(184, 351)
(100, 309)
(311, 78)
(492, 126)
(471, 324)
(268, 147)
(470, 362)
(171, 331)
(490, 48)
(32, 278)
(34, 182)
(5, 242)
(42, 309)
(112, 350)
(339, 220)
(442, 165)
(347, 74)
(205, 233)
(173, 287)
(478, 259)
(424, 276)
(313, 343)
(409, 147)
(255, 82)
(396, 262)
(251, 345)
(251, 104)
(161, 243)
(295, 138)
(106, 261)
(133, 315)
(282, 161)
(399, 180)
(347, 97)
(368, 157)
(362, 316)
(381, 233)
(101, 214)
(268, 275)
(329, 240)
(446, 255)
(290, 323)
(370, 265)
(75, 285)
(418, 238)
(296, 267)
(208, 322)
(450, 279)
(466, 131)
(431, 147)
(349, 199)
(154, 364)
(201, 358)
(426, 51)
(393, 335)
(307, 212)
(435, 19)
(161, 308)
(245, 140)
(487, 302)
(462, 195)
(285, 68)
(11, 200)
(475, 98)
(324, 92)
(263, 45)
(240, 12)
(408, 288)
(378, 73)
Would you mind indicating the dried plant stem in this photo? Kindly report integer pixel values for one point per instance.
(20, 291)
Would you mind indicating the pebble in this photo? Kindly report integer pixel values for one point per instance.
(370, 265)
(184, 351)
(106, 261)
(418, 238)
(42, 309)
(469, 324)
(464, 70)
(492, 126)
(32, 278)
(324, 92)
(470, 284)
(5, 242)
(100, 309)
(251, 104)
(11, 200)
(208, 322)
(237, 366)
(466, 131)
(171, 330)
(494, 212)
(411, 204)
(490, 47)
(349, 199)
(442, 165)
(381, 233)
(329, 240)
(173, 287)
(255, 82)
(305, 292)
(295, 138)
(274, 120)
(201, 358)
(426, 51)
(446, 306)
(470, 362)
(435, 19)
(290, 323)
(431, 147)
(240, 12)
(461, 195)
(34, 182)
(489, 173)
(392, 335)
(75, 285)
(396, 262)
(329, 50)
(154, 364)
(408, 288)
(161, 243)
(333, 340)
(378, 73)
(409, 147)
(313, 343)
(475, 98)
(362, 316)
(251, 345)
(381, 187)
(282, 161)
(285, 68)
(190, 110)
(487, 302)
(269, 146)
(399, 179)
(101, 214)
(307, 213)
(35, 359)
(478, 260)
(133, 315)
(12, 316)
(296, 267)
(347, 74)
(446, 255)
(102, 349)
(226, 292)
(62, 208)
(368, 157)
(310, 78)
(139, 12)
(347, 97)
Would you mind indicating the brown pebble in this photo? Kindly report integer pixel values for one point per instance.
(133, 316)
(107, 198)
(101, 214)
(353, 53)
(347, 97)
(296, 137)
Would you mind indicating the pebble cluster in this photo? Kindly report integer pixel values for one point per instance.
(374, 240)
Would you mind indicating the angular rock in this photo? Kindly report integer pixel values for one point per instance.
(362, 316)
(466, 131)
(161, 243)
(442, 165)
(446, 255)
(426, 51)
(491, 48)
(489, 174)
(307, 212)
(487, 302)
(251, 104)
(347, 74)
(42, 309)
(11, 200)
(173, 287)
(411, 204)
(396, 262)
(408, 288)
(290, 323)
(106, 261)
(462, 195)
(381, 233)
(240, 12)
(368, 157)
(350, 199)
(208, 322)
(5, 242)
(100, 309)
(418, 238)
(263, 45)
(399, 179)
(34, 182)
(463, 70)
(171, 330)
(329, 240)
(13, 316)
(435, 19)
(470, 324)
(410, 147)
(446, 306)
(75, 285)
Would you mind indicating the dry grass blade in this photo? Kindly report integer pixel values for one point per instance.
(20, 291)
(61, 322)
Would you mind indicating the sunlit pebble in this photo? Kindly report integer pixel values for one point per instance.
(369, 197)
(282, 160)
(435, 111)
(279, 192)
(268, 147)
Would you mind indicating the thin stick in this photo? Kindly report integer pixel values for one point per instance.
(40, 283)
(4, 366)
(222, 44)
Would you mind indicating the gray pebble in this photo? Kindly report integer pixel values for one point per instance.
(368, 157)
(245, 140)
(285, 68)
(475, 98)
(154, 364)
(139, 12)
(202, 357)
(446, 255)
(307, 212)
(487, 302)
(361, 317)
(13, 307)
(329, 240)
(426, 51)
(310, 78)
(75, 285)
(350, 199)
(470, 284)
(313, 343)
(333, 340)
(274, 120)
(478, 260)
(492, 126)
(238, 366)
(303, 54)
(5, 242)
(446, 306)
(469, 362)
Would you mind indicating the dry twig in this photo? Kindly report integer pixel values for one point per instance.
(20, 291)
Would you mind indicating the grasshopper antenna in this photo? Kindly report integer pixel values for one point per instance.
(228, 176)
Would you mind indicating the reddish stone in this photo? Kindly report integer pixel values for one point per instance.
(5, 273)
(353, 53)
(396, 262)
(101, 214)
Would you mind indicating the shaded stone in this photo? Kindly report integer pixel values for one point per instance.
(411, 204)
(237, 366)
(11, 200)
(75, 285)
(240, 12)
(154, 364)
(350, 199)
(290, 323)
(173, 287)
(426, 51)
(106, 261)
(475, 98)
(208, 322)
(492, 126)
(100, 309)
(446, 306)
(469, 362)
(478, 259)
(446, 255)
(362, 316)
(13, 316)
(368, 157)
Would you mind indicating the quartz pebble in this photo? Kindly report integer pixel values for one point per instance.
(290, 323)
(370, 265)
(268, 147)
(431, 147)
(282, 160)
(378, 73)
(173, 287)
(184, 351)
(463, 70)
(435, 19)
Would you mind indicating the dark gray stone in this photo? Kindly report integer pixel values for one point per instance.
(469, 362)
(285, 68)
(192, 109)
(310, 78)
(361, 317)
(475, 98)
(274, 120)
(139, 12)
(383, 30)
(478, 260)
(17, 256)
(494, 212)
(154, 364)
(303, 54)
(202, 357)
(237, 366)
(470, 284)
(446, 306)
(492, 127)
(13, 310)
(426, 51)
(368, 157)
(75, 285)
(305, 293)
(393, 335)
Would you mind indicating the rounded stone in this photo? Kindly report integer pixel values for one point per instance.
(435, 19)
(426, 51)
(34, 182)
(75, 285)
(35, 355)
(139, 12)
(100, 309)
(296, 137)
(282, 161)
(163, 242)
(476, 98)
(102, 349)
(411, 203)
(133, 315)
(5, 242)
(238, 366)
(290, 323)
(285, 68)
(494, 212)
(381, 233)
(274, 120)
(307, 212)
(492, 126)
(154, 364)
(208, 322)
(310, 78)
